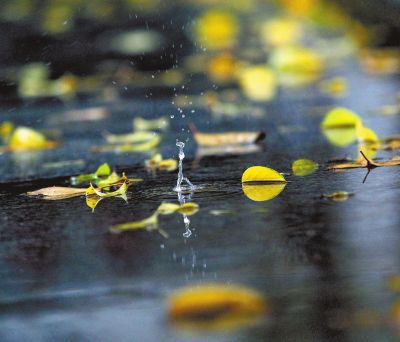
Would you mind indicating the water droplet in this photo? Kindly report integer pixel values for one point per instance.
(172, 116)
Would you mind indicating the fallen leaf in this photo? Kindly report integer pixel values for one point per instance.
(391, 144)
(57, 192)
(338, 196)
(25, 139)
(304, 167)
(102, 171)
(281, 31)
(261, 183)
(149, 223)
(121, 191)
(340, 118)
(135, 137)
(141, 124)
(261, 174)
(366, 163)
(215, 306)
(226, 139)
(157, 162)
(258, 82)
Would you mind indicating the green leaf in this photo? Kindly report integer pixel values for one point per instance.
(103, 170)
(304, 167)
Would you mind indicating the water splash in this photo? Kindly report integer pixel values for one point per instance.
(181, 177)
(182, 200)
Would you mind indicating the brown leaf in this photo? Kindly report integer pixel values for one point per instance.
(57, 192)
(366, 163)
(227, 138)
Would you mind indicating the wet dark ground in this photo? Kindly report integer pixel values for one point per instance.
(321, 264)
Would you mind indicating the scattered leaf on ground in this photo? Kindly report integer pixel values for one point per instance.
(227, 138)
(261, 183)
(121, 191)
(25, 139)
(215, 306)
(338, 196)
(141, 124)
(304, 167)
(57, 192)
(102, 171)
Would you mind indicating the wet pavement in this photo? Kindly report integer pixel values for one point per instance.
(321, 264)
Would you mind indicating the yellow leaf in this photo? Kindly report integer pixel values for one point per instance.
(304, 167)
(149, 223)
(341, 137)
(121, 191)
(57, 192)
(226, 139)
(216, 29)
(281, 31)
(334, 86)
(215, 306)
(136, 137)
(167, 208)
(141, 124)
(340, 118)
(259, 193)
(259, 174)
(188, 208)
(24, 138)
(258, 82)
(338, 196)
(168, 165)
(366, 134)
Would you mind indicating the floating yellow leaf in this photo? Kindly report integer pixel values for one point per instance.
(188, 208)
(262, 192)
(216, 306)
(338, 196)
(216, 29)
(259, 174)
(340, 117)
(304, 167)
(57, 192)
(366, 135)
(258, 82)
(24, 138)
(141, 124)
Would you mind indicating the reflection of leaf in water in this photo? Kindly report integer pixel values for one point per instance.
(338, 196)
(57, 192)
(215, 306)
(258, 82)
(304, 167)
(149, 223)
(340, 137)
(261, 183)
(263, 192)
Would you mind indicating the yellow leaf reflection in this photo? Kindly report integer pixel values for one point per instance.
(338, 196)
(215, 306)
(304, 167)
(262, 192)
